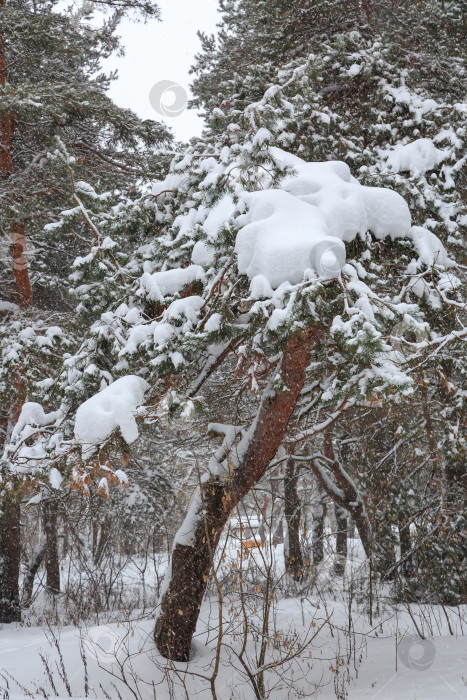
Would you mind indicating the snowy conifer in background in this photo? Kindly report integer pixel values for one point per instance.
(53, 98)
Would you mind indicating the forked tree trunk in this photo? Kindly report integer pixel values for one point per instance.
(52, 561)
(216, 497)
(292, 550)
(10, 555)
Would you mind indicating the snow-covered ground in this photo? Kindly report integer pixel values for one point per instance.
(325, 646)
(383, 672)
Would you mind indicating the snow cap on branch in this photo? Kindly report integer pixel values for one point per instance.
(113, 407)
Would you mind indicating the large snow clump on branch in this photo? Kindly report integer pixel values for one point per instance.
(113, 407)
(304, 224)
(416, 157)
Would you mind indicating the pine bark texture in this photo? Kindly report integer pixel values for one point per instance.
(20, 266)
(219, 495)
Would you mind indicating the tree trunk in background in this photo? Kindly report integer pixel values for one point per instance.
(52, 562)
(10, 527)
(102, 539)
(346, 495)
(341, 539)
(318, 514)
(405, 542)
(7, 166)
(34, 565)
(216, 497)
(292, 550)
(10, 556)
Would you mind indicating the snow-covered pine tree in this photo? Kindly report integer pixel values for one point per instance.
(237, 270)
(389, 80)
(319, 289)
(52, 87)
(255, 39)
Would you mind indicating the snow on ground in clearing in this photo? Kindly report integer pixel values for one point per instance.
(371, 650)
(377, 674)
(113, 407)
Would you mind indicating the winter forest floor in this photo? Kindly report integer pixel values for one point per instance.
(322, 642)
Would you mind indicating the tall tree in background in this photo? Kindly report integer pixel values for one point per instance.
(256, 38)
(52, 87)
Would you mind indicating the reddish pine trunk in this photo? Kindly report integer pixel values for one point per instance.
(7, 130)
(7, 121)
(218, 496)
(7, 166)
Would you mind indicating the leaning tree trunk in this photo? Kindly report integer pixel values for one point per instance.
(216, 497)
(10, 556)
(52, 561)
(292, 550)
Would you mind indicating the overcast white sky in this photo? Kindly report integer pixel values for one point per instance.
(162, 51)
